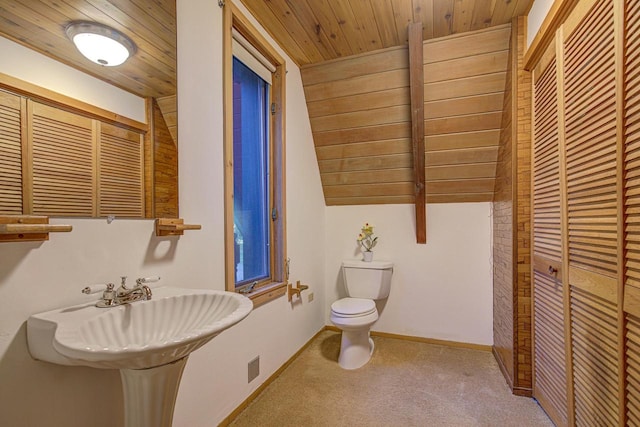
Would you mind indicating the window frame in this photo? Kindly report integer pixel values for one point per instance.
(275, 285)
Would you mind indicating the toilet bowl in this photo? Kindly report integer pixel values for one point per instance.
(354, 316)
(365, 282)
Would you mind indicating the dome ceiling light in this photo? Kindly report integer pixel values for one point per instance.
(100, 43)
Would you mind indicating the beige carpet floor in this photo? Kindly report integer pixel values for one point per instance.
(405, 384)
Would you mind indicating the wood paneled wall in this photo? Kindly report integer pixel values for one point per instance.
(169, 108)
(360, 118)
(465, 79)
(523, 109)
(504, 205)
(511, 225)
(165, 168)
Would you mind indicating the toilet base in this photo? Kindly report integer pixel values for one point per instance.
(356, 348)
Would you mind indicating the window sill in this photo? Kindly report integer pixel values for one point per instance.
(267, 293)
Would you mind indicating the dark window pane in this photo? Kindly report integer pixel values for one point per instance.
(250, 174)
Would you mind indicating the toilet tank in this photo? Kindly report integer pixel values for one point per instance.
(371, 280)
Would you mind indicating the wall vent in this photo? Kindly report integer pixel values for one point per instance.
(253, 369)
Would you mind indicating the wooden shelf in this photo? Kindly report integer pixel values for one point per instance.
(26, 228)
(173, 227)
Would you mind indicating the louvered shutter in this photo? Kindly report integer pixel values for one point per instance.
(548, 315)
(590, 133)
(632, 147)
(546, 180)
(595, 358)
(10, 154)
(120, 178)
(590, 117)
(62, 150)
(632, 208)
(549, 350)
(633, 369)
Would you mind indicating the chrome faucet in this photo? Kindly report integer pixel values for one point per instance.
(124, 294)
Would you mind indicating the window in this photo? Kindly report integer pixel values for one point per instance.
(251, 198)
(254, 162)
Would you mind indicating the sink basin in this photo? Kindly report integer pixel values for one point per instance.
(140, 335)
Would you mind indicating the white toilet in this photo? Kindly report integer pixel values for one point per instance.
(354, 315)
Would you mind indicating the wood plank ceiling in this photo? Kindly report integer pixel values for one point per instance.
(313, 31)
(354, 64)
(359, 108)
(151, 24)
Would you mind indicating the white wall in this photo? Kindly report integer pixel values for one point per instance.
(215, 380)
(30, 66)
(440, 290)
(536, 16)
(35, 277)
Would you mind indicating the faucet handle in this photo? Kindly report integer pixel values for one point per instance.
(150, 279)
(94, 289)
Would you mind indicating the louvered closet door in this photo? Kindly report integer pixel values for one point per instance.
(10, 154)
(632, 352)
(121, 172)
(590, 138)
(632, 211)
(550, 382)
(62, 149)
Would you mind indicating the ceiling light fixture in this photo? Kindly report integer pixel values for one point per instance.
(100, 43)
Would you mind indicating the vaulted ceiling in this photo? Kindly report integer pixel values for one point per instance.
(360, 134)
(360, 113)
(354, 62)
(313, 31)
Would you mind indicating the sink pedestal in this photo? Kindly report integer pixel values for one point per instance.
(150, 394)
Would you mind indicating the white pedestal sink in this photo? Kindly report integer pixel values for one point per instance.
(148, 341)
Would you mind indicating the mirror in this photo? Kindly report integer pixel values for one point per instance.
(150, 73)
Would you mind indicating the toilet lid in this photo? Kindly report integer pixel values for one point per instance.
(353, 307)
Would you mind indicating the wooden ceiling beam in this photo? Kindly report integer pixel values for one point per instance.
(416, 88)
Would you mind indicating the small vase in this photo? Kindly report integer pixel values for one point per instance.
(367, 256)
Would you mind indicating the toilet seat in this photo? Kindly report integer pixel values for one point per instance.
(353, 307)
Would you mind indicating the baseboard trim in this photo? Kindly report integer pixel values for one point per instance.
(518, 391)
(434, 341)
(502, 367)
(521, 391)
(232, 416)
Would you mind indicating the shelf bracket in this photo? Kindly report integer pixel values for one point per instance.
(173, 227)
(28, 228)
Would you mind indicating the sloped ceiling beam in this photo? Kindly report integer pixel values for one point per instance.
(416, 85)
